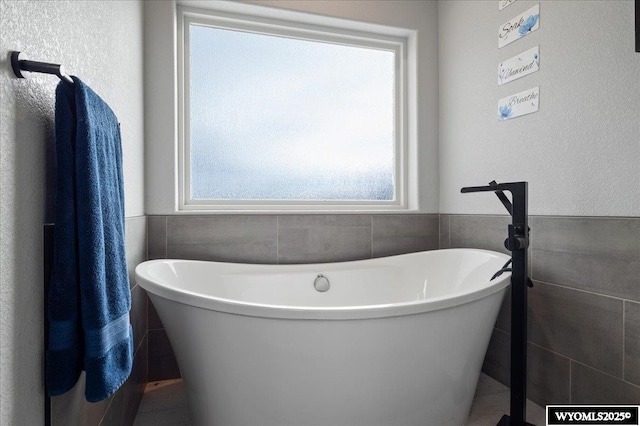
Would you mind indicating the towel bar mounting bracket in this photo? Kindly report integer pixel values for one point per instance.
(20, 63)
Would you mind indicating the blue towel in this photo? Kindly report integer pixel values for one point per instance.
(89, 295)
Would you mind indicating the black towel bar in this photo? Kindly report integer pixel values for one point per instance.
(20, 63)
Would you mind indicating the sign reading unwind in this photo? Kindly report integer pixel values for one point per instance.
(520, 65)
(519, 26)
(519, 104)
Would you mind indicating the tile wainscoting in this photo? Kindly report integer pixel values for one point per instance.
(584, 310)
(286, 239)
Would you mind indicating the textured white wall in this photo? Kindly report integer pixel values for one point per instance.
(581, 152)
(160, 83)
(101, 42)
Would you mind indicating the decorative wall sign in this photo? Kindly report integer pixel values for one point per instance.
(504, 3)
(519, 26)
(519, 104)
(520, 65)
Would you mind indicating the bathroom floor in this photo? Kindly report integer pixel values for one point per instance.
(165, 404)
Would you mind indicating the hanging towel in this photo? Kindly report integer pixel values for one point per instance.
(89, 295)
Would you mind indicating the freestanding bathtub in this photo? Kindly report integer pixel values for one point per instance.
(394, 341)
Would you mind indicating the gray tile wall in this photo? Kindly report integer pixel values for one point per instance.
(121, 407)
(290, 238)
(278, 239)
(584, 310)
(632, 342)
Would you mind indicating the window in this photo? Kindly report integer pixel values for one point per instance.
(280, 115)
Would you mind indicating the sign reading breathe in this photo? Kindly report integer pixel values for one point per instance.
(519, 104)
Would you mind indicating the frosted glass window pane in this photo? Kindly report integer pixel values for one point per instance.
(276, 118)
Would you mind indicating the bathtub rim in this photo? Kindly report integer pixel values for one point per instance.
(239, 307)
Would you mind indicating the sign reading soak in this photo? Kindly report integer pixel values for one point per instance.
(520, 65)
(519, 26)
(504, 3)
(519, 104)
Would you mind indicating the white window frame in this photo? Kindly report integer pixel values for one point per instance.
(400, 41)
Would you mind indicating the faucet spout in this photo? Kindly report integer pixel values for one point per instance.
(497, 188)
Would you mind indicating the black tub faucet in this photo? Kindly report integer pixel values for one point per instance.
(517, 243)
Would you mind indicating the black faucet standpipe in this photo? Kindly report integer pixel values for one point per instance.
(517, 243)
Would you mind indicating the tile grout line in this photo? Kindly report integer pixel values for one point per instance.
(135, 352)
(607, 374)
(160, 410)
(371, 236)
(106, 411)
(166, 237)
(624, 306)
(146, 238)
(584, 291)
(571, 361)
(547, 216)
(570, 380)
(277, 239)
(567, 357)
(548, 350)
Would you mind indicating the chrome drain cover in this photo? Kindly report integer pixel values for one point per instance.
(321, 283)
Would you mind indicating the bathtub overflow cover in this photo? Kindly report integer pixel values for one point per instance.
(321, 283)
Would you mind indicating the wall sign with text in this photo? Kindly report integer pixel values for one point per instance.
(519, 26)
(504, 3)
(520, 65)
(525, 102)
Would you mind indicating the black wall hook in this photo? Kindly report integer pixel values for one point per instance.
(20, 63)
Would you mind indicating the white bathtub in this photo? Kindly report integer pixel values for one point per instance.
(395, 341)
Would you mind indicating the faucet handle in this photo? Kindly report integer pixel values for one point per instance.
(518, 238)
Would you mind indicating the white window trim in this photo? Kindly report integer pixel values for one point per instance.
(299, 25)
